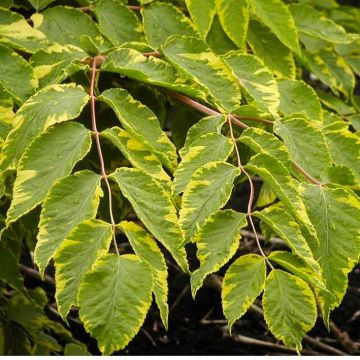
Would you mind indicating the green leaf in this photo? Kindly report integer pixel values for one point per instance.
(335, 214)
(256, 79)
(40, 4)
(202, 12)
(105, 293)
(75, 350)
(76, 255)
(16, 75)
(296, 96)
(154, 207)
(142, 123)
(16, 33)
(150, 70)
(306, 144)
(266, 196)
(267, 47)
(289, 307)
(56, 63)
(284, 225)
(309, 21)
(242, 284)
(118, 23)
(137, 154)
(78, 198)
(161, 20)
(209, 190)
(276, 15)
(207, 148)
(234, 18)
(217, 242)
(9, 269)
(147, 250)
(193, 57)
(47, 107)
(49, 158)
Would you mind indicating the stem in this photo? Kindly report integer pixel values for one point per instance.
(98, 147)
(252, 192)
(153, 53)
(300, 170)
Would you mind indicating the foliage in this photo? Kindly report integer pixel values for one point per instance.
(138, 124)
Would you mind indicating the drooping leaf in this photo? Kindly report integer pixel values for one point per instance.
(154, 207)
(105, 293)
(193, 57)
(161, 20)
(78, 198)
(9, 269)
(87, 242)
(276, 15)
(242, 284)
(147, 250)
(234, 18)
(142, 123)
(202, 13)
(289, 307)
(49, 158)
(209, 189)
(217, 241)
(207, 148)
(267, 47)
(47, 107)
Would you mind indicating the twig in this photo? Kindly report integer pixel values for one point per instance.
(179, 298)
(36, 275)
(344, 339)
(306, 175)
(152, 53)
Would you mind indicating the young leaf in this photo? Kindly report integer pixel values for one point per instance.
(276, 15)
(154, 207)
(147, 250)
(78, 198)
(47, 107)
(217, 242)
(256, 79)
(105, 293)
(242, 284)
(202, 12)
(289, 307)
(193, 57)
(209, 190)
(141, 122)
(207, 148)
(49, 158)
(78, 252)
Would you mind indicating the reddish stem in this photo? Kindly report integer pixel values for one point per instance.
(153, 53)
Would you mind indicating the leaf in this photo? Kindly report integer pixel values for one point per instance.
(209, 190)
(276, 15)
(87, 242)
(202, 13)
(217, 242)
(296, 96)
(207, 148)
(256, 79)
(234, 18)
(161, 20)
(309, 21)
(16, 75)
(56, 63)
(147, 250)
(335, 214)
(267, 47)
(285, 226)
(210, 124)
(78, 198)
(194, 58)
(142, 123)
(9, 270)
(16, 33)
(154, 207)
(306, 144)
(47, 107)
(105, 293)
(75, 350)
(242, 284)
(40, 4)
(118, 23)
(137, 154)
(49, 158)
(289, 307)
(150, 70)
